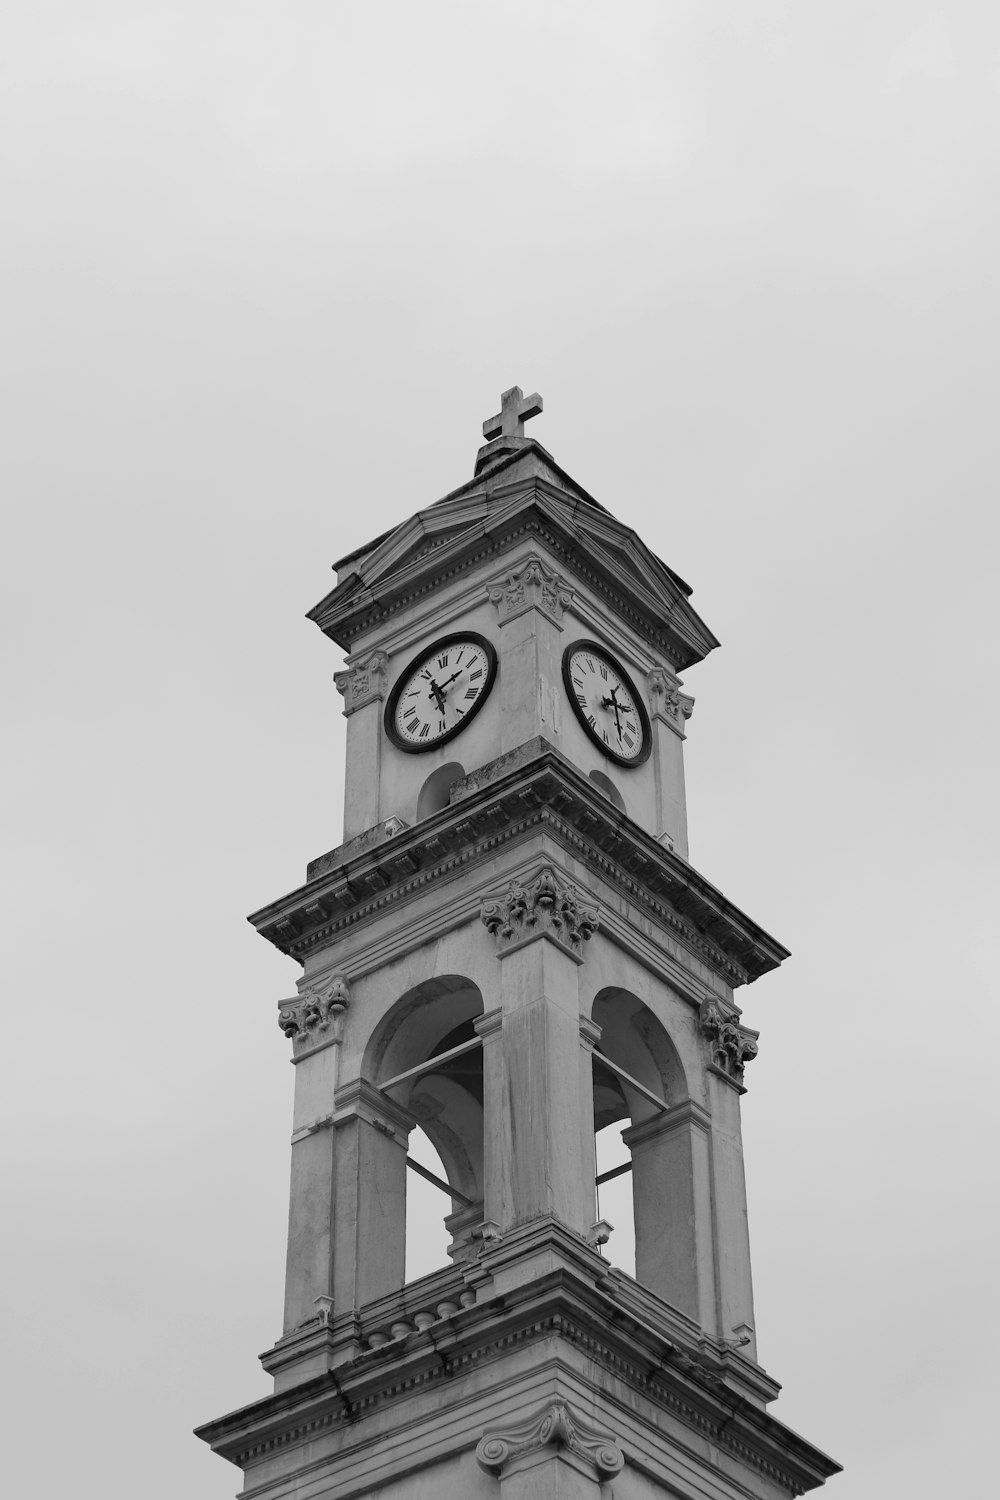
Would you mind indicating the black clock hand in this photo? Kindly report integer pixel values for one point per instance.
(612, 702)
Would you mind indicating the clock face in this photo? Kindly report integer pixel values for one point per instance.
(440, 691)
(606, 703)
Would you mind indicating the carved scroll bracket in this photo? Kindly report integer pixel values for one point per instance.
(364, 682)
(554, 1426)
(532, 586)
(733, 1045)
(666, 701)
(548, 907)
(315, 1018)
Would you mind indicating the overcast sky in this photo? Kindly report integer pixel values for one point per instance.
(267, 268)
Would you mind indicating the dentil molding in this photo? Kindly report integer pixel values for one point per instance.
(532, 586)
(554, 1426)
(547, 906)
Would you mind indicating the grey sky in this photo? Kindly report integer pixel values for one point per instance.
(266, 269)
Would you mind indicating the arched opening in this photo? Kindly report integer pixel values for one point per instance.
(427, 1239)
(644, 1171)
(436, 790)
(606, 785)
(427, 1057)
(614, 1193)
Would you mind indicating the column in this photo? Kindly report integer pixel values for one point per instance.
(363, 687)
(669, 710)
(540, 1158)
(732, 1228)
(313, 1022)
(369, 1220)
(530, 600)
(672, 1198)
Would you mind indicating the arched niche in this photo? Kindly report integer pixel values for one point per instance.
(436, 790)
(429, 1020)
(633, 1037)
(606, 785)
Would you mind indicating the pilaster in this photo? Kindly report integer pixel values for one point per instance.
(530, 601)
(363, 686)
(370, 1195)
(672, 1196)
(669, 710)
(541, 1159)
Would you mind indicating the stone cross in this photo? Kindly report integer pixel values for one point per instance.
(517, 408)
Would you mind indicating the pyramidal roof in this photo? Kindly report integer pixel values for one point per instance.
(517, 486)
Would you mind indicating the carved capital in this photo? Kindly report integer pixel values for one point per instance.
(532, 586)
(554, 1426)
(666, 701)
(733, 1045)
(315, 1018)
(363, 682)
(547, 906)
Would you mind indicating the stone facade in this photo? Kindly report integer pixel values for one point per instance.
(510, 963)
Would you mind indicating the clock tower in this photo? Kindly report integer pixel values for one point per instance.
(511, 951)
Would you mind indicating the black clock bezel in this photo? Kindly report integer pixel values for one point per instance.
(389, 720)
(595, 649)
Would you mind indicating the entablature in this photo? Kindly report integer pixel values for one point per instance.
(612, 561)
(534, 787)
(668, 1384)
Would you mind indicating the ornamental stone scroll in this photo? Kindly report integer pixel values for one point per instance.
(733, 1045)
(555, 1426)
(666, 701)
(532, 586)
(363, 682)
(315, 1018)
(547, 906)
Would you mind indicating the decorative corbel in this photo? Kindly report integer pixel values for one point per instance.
(547, 906)
(532, 586)
(733, 1045)
(554, 1426)
(315, 1018)
(666, 701)
(363, 682)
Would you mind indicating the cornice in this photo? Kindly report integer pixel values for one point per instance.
(527, 793)
(345, 620)
(686, 1380)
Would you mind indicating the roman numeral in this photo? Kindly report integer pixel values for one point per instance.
(441, 726)
(629, 741)
(605, 734)
(474, 675)
(471, 693)
(425, 731)
(590, 663)
(578, 682)
(443, 660)
(581, 700)
(458, 658)
(604, 672)
(592, 721)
